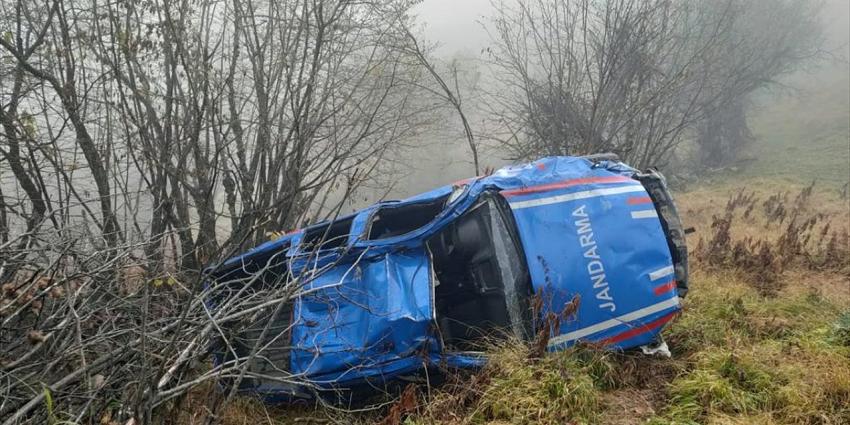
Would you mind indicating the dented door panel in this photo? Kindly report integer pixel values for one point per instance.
(363, 316)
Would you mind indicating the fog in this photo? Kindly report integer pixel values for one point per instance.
(797, 111)
(456, 25)
(457, 29)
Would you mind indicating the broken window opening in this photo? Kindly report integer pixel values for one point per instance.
(330, 235)
(483, 287)
(392, 221)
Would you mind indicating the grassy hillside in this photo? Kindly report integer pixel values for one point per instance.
(804, 135)
(823, 154)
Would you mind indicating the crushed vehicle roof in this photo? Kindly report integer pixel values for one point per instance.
(597, 243)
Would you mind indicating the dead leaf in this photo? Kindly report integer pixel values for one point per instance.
(35, 336)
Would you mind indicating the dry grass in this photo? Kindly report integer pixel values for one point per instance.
(765, 233)
(762, 338)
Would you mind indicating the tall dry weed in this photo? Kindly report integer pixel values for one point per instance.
(785, 233)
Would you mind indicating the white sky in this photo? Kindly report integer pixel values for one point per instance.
(454, 24)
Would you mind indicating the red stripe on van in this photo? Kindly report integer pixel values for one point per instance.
(667, 287)
(637, 200)
(657, 323)
(565, 184)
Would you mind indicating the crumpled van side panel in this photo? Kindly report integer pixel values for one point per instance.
(364, 317)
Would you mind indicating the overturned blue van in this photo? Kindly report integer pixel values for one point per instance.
(403, 286)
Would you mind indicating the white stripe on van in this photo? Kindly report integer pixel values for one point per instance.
(610, 323)
(576, 195)
(658, 274)
(644, 214)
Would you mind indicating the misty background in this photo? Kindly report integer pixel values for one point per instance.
(810, 110)
(191, 128)
(419, 142)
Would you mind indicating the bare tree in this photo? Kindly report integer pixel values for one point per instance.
(766, 40)
(628, 76)
(449, 94)
(222, 120)
(141, 141)
(58, 71)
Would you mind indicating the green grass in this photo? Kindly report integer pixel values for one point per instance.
(555, 389)
(805, 136)
(780, 360)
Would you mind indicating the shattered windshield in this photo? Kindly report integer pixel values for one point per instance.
(511, 266)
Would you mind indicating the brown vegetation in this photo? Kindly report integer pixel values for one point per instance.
(762, 240)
